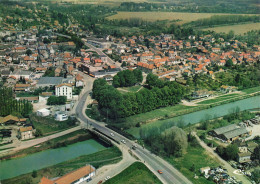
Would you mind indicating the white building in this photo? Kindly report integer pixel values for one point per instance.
(61, 116)
(43, 112)
(64, 90)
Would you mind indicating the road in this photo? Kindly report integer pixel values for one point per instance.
(101, 53)
(170, 174)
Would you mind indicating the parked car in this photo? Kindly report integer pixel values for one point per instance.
(107, 178)
(100, 182)
(160, 171)
(123, 141)
(112, 134)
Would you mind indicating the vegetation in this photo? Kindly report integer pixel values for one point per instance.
(50, 72)
(116, 105)
(127, 78)
(47, 125)
(108, 156)
(256, 175)
(136, 173)
(56, 100)
(228, 153)
(9, 105)
(172, 142)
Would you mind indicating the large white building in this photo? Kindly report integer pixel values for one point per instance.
(64, 90)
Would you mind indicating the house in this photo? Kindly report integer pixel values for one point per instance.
(26, 133)
(22, 87)
(43, 112)
(227, 89)
(201, 93)
(10, 119)
(244, 157)
(64, 89)
(49, 81)
(79, 80)
(75, 177)
(21, 73)
(60, 116)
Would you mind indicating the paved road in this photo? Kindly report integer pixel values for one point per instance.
(170, 174)
(101, 53)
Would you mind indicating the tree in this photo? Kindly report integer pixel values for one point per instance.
(28, 52)
(34, 174)
(123, 64)
(256, 175)
(11, 68)
(229, 63)
(116, 81)
(256, 154)
(151, 80)
(46, 41)
(231, 152)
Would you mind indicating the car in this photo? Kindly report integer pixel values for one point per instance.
(107, 178)
(100, 182)
(112, 134)
(123, 141)
(160, 171)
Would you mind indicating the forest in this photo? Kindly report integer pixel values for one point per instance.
(9, 105)
(157, 94)
(127, 78)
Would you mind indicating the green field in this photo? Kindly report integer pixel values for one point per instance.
(197, 156)
(251, 90)
(108, 156)
(238, 29)
(218, 99)
(137, 173)
(171, 16)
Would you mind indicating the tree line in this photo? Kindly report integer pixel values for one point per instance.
(127, 78)
(224, 19)
(9, 105)
(157, 94)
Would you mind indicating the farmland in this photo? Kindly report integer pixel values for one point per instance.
(180, 17)
(238, 29)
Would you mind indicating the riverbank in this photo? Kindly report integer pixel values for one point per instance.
(181, 109)
(108, 156)
(65, 140)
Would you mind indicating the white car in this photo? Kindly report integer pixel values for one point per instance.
(112, 135)
(107, 178)
(123, 141)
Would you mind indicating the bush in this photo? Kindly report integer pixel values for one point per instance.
(34, 174)
(56, 100)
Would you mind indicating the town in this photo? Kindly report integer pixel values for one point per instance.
(117, 103)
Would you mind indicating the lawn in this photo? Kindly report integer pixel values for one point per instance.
(136, 173)
(220, 98)
(171, 16)
(197, 156)
(238, 29)
(108, 156)
(73, 137)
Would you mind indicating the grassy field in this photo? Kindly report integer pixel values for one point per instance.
(197, 156)
(108, 156)
(238, 29)
(171, 16)
(70, 138)
(251, 90)
(137, 173)
(220, 98)
(47, 125)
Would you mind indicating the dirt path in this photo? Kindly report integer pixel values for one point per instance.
(231, 170)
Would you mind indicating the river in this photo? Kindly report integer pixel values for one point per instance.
(196, 117)
(36, 161)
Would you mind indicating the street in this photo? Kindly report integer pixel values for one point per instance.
(154, 163)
